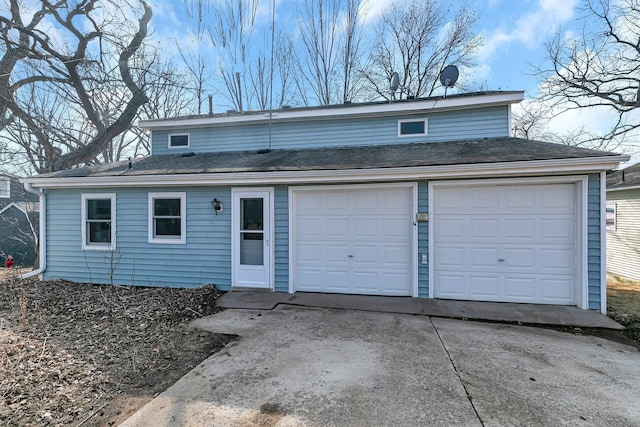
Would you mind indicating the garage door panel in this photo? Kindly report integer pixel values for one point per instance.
(450, 257)
(365, 236)
(519, 259)
(395, 229)
(482, 258)
(511, 253)
(335, 203)
(558, 230)
(451, 285)
(396, 256)
(334, 254)
(558, 199)
(450, 228)
(364, 201)
(335, 228)
(519, 199)
(561, 259)
(483, 201)
(450, 203)
(482, 228)
(309, 253)
(308, 228)
(558, 289)
(520, 289)
(483, 287)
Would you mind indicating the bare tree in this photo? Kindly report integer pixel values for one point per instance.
(351, 41)
(417, 41)
(93, 45)
(531, 119)
(599, 67)
(231, 33)
(331, 35)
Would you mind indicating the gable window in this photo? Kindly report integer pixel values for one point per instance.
(167, 218)
(412, 127)
(99, 221)
(5, 188)
(611, 216)
(179, 140)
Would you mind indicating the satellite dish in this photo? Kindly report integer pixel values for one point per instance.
(449, 76)
(395, 82)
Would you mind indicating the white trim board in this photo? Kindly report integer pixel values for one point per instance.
(339, 111)
(476, 170)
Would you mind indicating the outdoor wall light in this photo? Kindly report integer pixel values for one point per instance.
(216, 205)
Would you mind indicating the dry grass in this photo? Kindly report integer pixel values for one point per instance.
(623, 304)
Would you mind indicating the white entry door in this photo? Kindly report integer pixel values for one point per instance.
(252, 238)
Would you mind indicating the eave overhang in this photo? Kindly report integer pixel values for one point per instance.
(339, 112)
(294, 177)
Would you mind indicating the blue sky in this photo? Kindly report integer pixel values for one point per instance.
(514, 32)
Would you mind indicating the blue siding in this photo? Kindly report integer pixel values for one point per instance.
(423, 240)
(442, 126)
(281, 213)
(204, 259)
(594, 241)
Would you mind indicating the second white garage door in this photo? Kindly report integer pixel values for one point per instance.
(510, 243)
(354, 240)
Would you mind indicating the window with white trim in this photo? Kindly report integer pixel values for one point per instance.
(179, 140)
(99, 221)
(167, 218)
(412, 127)
(5, 188)
(610, 217)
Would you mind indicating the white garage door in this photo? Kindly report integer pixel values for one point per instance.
(354, 240)
(511, 243)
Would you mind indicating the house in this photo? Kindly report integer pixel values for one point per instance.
(623, 222)
(428, 198)
(18, 220)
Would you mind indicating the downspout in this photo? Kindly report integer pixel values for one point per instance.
(41, 229)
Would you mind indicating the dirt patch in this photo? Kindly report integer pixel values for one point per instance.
(623, 305)
(73, 353)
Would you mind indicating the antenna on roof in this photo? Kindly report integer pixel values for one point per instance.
(449, 77)
(394, 85)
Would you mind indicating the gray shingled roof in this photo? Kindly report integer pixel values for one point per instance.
(487, 150)
(631, 178)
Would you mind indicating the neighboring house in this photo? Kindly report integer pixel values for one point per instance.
(18, 221)
(427, 198)
(623, 222)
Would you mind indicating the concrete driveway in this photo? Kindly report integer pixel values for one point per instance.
(297, 366)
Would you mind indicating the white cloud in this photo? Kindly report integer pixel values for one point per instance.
(531, 29)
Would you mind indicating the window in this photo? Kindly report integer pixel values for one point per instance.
(179, 140)
(167, 218)
(412, 127)
(611, 216)
(5, 188)
(99, 221)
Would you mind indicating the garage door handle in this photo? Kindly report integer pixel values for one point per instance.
(350, 256)
(500, 259)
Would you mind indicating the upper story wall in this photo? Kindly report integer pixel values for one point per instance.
(482, 122)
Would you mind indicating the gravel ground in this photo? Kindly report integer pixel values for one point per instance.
(74, 354)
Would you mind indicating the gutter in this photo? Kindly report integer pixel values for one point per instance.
(296, 177)
(42, 243)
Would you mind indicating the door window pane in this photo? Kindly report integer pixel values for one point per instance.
(251, 214)
(251, 249)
